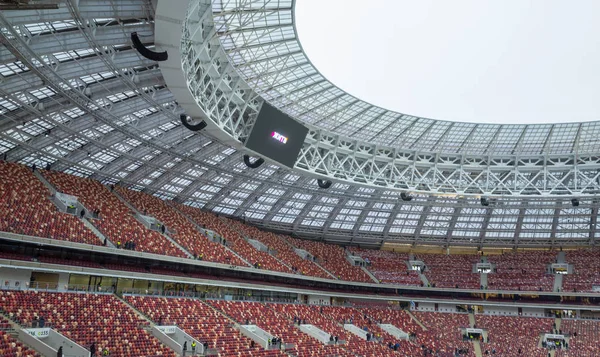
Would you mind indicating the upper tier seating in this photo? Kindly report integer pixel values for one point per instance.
(277, 325)
(585, 344)
(285, 252)
(508, 334)
(185, 233)
(525, 271)
(9, 346)
(25, 208)
(201, 322)
(586, 266)
(389, 267)
(116, 220)
(234, 240)
(332, 258)
(86, 319)
(449, 271)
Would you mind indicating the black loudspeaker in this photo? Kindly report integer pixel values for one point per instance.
(192, 124)
(405, 196)
(151, 55)
(254, 164)
(324, 183)
(575, 202)
(484, 201)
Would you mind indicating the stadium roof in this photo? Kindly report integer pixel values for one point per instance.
(75, 94)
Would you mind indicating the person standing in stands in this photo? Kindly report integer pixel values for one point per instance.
(194, 348)
(184, 348)
(106, 352)
(118, 244)
(93, 349)
(42, 321)
(59, 353)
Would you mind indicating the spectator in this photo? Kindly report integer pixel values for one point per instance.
(193, 347)
(184, 348)
(252, 344)
(93, 349)
(118, 244)
(42, 321)
(59, 353)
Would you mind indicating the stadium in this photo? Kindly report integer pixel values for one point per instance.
(178, 178)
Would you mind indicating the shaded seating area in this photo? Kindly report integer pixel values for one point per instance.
(116, 221)
(183, 231)
(332, 258)
(25, 208)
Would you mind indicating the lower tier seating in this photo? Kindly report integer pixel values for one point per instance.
(510, 334)
(201, 322)
(279, 326)
(11, 347)
(584, 337)
(86, 319)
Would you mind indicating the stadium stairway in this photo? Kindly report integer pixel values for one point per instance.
(45, 182)
(91, 227)
(166, 236)
(558, 282)
(471, 320)
(416, 320)
(424, 279)
(316, 263)
(484, 280)
(183, 214)
(371, 275)
(477, 349)
(245, 237)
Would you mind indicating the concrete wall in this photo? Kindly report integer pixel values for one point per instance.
(14, 275)
(319, 299)
(446, 308)
(530, 311)
(63, 281)
(426, 306)
(500, 310)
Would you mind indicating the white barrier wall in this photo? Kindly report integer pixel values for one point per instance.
(531, 311)
(257, 334)
(319, 299)
(394, 331)
(426, 306)
(11, 275)
(47, 342)
(356, 330)
(501, 310)
(316, 332)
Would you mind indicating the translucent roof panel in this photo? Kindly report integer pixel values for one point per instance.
(269, 55)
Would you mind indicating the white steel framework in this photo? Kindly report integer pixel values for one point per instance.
(74, 94)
